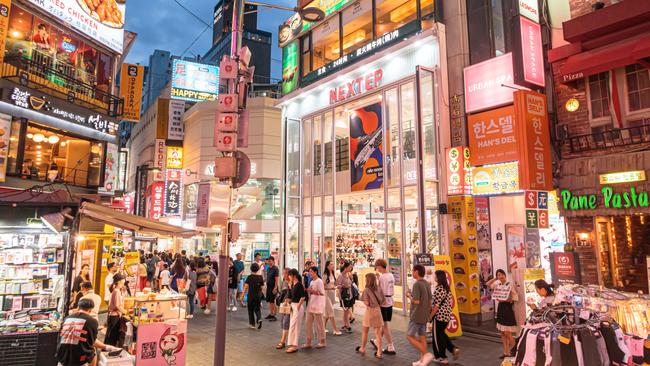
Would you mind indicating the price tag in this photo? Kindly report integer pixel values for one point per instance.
(563, 339)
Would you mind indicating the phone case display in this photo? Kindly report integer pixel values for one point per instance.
(156, 307)
(357, 244)
(464, 253)
(630, 310)
(28, 265)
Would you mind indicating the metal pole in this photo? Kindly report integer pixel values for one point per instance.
(222, 279)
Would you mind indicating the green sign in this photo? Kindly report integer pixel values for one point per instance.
(532, 221)
(290, 67)
(609, 199)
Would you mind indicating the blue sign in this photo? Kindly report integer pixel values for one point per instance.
(194, 82)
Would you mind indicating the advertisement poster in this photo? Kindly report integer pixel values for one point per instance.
(515, 245)
(106, 27)
(464, 253)
(565, 268)
(535, 168)
(111, 171)
(162, 344)
(131, 82)
(492, 136)
(131, 265)
(5, 135)
(175, 130)
(530, 294)
(203, 205)
(190, 196)
(395, 267)
(194, 82)
(290, 67)
(366, 150)
(174, 157)
(5, 8)
(483, 241)
(533, 252)
(173, 190)
(443, 263)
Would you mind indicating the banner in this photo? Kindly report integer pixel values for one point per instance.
(110, 170)
(533, 251)
(162, 344)
(5, 135)
(366, 149)
(159, 159)
(175, 130)
(203, 205)
(535, 164)
(443, 263)
(492, 136)
(464, 253)
(131, 81)
(157, 200)
(5, 9)
(290, 68)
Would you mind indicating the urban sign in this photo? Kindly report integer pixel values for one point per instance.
(159, 158)
(101, 20)
(486, 83)
(290, 67)
(131, 81)
(608, 199)
(529, 9)
(5, 8)
(295, 25)
(174, 157)
(194, 82)
(622, 177)
(528, 56)
(30, 99)
(496, 179)
(357, 86)
(175, 130)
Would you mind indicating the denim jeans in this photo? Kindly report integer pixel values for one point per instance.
(190, 299)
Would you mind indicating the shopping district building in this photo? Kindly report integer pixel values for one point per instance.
(468, 138)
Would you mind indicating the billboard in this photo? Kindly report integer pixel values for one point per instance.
(366, 153)
(194, 82)
(131, 81)
(290, 67)
(101, 20)
(493, 136)
(486, 83)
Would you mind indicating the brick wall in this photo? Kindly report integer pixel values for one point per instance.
(587, 255)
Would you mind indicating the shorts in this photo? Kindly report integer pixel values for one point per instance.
(416, 329)
(270, 296)
(211, 290)
(387, 313)
(285, 321)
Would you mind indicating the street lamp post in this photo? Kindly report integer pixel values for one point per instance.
(309, 14)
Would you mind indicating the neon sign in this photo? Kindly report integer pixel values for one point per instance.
(609, 199)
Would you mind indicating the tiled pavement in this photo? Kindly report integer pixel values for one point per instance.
(257, 347)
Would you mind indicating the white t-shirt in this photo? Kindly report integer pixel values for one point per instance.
(96, 300)
(107, 286)
(316, 303)
(387, 285)
(165, 278)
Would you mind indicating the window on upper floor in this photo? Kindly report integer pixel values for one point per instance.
(598, 87)
(357, 25)
(637, 80)
(305, 60)
(325, 42)
(392, 14)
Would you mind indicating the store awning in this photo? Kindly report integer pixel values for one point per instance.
(608, 57)
(131, 222)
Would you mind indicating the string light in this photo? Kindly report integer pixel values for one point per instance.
(615, 259)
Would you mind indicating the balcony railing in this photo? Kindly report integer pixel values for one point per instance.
(63, 81)
(610, 139)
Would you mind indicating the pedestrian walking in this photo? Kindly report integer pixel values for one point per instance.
(284, 301)
(239, 268)
(78, 337)
(344, 284)
(142, 273)
(191, 288)
(505, 297)
(272, 283)
(202, 283)
(387, 286)
(441, 315)
(315, 310)
(372, 297)
(253, 287)
(116, 322)
(420, 298)
(178, 275)
(165, 277)
(233, 282)
(329, 277)
(297, 310)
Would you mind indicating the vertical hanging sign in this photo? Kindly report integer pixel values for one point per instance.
(173, 191)
(159, 159)
(131, 80)
(535, 165)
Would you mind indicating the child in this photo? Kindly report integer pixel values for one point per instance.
(165, 277)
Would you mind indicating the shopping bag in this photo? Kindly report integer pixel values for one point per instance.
(203, 295)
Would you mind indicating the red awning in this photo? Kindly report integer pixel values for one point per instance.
(608, 57)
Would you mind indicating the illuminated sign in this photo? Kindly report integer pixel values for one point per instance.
(173, 189)
(290, 67)
(528, 56)
(356, 86)
(622, 177)
(293, 26)
(157, 200)
(535, 168)
(459, 176)
(496, 179)
(486, 83)
(101, 20)
(608, 199)
(159, 159)
(367, 49)
(529, 9)
(174, 157)
(493, 136)
(5, 7)
(572, 105)
(194, 82)
(131, 81)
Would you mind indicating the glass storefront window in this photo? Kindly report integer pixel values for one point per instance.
(409, 143)
(54, 156)
(357, 25)
(316, 241)
(293, 206)
(293, 158)
(317, 133)
(328, 237)
(392, 139)
(325, 42)
(306, 56)
(307, 160)
(328, 157)
(258, 199)
(306, 238)
(394, 198)
(318, 205)
(433, 245)
(411, 197)
(392, 14)
(427, 109)
(291, 239)
(394, 253)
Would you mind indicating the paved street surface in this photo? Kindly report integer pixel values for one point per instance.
(257, 347)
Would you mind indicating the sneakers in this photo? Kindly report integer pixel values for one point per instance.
(337, 333)
(190, 316)
(426, 359)
(234, 308)
(252, 327)
(456, 353)
(206, 311)
(259, 324)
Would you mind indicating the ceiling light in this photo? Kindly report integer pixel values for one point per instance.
(63, 143)
(39, 146)
(53, 139)
(39, 137)
(30, 135)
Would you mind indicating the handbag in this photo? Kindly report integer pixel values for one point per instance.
(284, 308)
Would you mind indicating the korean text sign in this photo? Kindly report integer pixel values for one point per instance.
(194, 82)
(459, 175)
(535, 168)
(131, 79)
(493, 136)
(157, 200)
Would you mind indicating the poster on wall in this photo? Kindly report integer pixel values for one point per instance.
(515, 245)
(111, 170)
(533, 253)
(443, 263)
(290, 67)
(464, 253)
(484, 244)
(5, 135)
(565, 268)
(162, 344)
(366, 149)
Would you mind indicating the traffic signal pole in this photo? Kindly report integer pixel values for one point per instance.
(222, 279)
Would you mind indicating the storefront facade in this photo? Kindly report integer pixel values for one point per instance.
(353, 190)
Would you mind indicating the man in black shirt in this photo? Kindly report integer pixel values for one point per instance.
(272, 282)
(253, 285)
(78, 338)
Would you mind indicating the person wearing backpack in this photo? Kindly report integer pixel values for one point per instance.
(441, 315)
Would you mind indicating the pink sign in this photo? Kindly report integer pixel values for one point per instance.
(484, 83)
(203, 205)
(157, 200)
(531, 51)
(162, 344)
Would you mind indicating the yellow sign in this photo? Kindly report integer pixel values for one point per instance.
(174, 157)
(496, 178)
(623, 177)
(131, 79)
(443, 263)
(5, 7)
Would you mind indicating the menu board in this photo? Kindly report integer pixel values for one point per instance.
(464, 253)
